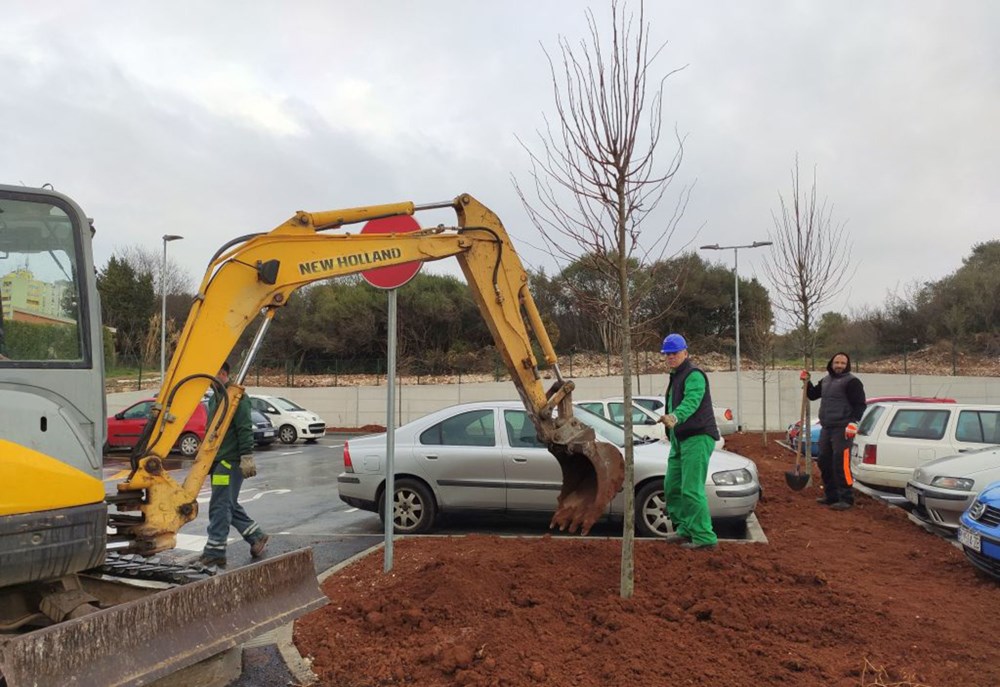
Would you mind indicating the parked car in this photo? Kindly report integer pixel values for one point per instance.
(125, 427)
(944, 488)
(485, 456)
(792, 436)
(979, 531)
(896, 438)
(792, 433)
(723, 416)
(645, 423)
(264, 433)
(293, 422)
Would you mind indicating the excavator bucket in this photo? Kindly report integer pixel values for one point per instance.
(593, 473)
(137, 642)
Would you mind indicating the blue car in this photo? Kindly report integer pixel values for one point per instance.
(979, 531)
(792, 436)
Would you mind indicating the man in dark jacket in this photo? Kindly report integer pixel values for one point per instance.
(841, 406)
(233, 462)
(690, 422)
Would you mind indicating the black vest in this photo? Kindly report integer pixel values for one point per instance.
(834, 408)
(703, 419)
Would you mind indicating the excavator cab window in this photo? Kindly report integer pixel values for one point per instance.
(40, 320)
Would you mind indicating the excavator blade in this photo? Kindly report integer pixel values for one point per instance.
(593, 472)
(137, 642)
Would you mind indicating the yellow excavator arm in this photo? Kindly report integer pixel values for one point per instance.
(257, 274)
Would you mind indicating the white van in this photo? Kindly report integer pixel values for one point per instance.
(292, 421)
(895, 438)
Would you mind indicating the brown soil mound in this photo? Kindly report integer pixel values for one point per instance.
(862, 597)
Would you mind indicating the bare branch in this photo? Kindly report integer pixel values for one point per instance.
(809, 263)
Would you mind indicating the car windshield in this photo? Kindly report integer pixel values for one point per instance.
(285, 404)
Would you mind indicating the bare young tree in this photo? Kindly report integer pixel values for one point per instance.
(597, 179)
(809, 262)
(759, 336)
(149, 261)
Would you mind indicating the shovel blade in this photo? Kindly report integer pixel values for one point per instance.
(796, 481)
(137, 642)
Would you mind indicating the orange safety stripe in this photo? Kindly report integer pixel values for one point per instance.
(847, 466)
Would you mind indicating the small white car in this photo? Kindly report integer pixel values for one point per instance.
(645, 422)
(293, 422)
(723, 416)
(943, 489)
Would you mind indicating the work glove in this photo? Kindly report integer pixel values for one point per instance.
(669, 420)
(248, 466)
(804, 375)
(851, 430)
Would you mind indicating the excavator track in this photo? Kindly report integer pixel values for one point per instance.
(135, 566)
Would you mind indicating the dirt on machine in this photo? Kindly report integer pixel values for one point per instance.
(67, 617)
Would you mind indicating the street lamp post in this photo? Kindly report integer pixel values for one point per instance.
(163, 312)
(736, 278)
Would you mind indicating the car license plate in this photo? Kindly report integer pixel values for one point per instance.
(969, 538)
(912, 496)
(269, 432)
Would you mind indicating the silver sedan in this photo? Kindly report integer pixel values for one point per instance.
(485, 457)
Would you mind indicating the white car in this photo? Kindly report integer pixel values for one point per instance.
(723, 416)
(485, 457)
(896, 438)
(645, 422)
(292, 421)
(943, 489)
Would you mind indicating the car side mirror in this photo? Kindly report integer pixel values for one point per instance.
(120, 416)
(272, 410)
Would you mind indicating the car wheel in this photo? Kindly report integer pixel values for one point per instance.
(651, 519)
(188, 445)
(287, 434)
(414, 508)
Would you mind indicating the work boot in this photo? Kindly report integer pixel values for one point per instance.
(212, 561)
(674, 538)
(824, 501)
(258, 547)
(695, 546)
(841, 505)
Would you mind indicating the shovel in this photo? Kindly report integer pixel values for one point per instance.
(798, 478)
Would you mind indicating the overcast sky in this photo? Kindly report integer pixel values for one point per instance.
(217, 119)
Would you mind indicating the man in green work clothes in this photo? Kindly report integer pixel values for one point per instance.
(691, 426)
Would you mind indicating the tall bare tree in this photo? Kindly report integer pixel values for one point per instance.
(809, 262)
(759, 336)
(597, 179)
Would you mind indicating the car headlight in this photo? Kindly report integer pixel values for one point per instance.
(957, 483)
(731, 478)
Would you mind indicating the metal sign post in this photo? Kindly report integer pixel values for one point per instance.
(390, 279)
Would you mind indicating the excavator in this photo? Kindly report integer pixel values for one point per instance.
(65, 622)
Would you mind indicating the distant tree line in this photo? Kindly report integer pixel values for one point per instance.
(341, 324)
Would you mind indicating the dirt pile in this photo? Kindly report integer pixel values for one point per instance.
(862, 597)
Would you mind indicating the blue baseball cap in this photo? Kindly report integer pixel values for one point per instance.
(673, 344)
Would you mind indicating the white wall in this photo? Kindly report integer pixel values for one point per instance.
(354, 406)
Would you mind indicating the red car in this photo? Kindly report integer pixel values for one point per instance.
(124, 428)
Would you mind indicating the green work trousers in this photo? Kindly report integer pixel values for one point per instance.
(684, 487)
